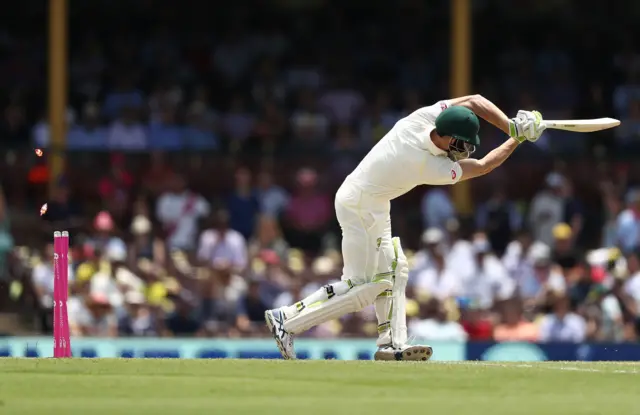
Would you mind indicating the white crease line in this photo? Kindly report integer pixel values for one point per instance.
(544, 366)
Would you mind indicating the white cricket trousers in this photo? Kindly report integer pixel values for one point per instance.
(367, 249)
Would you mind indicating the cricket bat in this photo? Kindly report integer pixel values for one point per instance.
(582, 126)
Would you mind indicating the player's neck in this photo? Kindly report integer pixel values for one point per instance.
(440, 142)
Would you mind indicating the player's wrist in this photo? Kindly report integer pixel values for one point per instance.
(513, 131)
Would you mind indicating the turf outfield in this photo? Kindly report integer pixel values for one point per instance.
(154, 386)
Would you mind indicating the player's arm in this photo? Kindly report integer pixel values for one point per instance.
(474, 168)
(484, 109)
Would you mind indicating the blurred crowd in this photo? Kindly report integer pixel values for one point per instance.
(179, 265)
(203, 244)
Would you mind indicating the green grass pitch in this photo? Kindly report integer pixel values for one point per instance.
(155, 386)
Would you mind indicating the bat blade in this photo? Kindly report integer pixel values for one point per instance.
(582, 126)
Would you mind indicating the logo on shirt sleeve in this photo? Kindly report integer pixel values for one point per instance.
(453, 175)
(443, 105)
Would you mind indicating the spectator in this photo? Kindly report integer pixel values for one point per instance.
(104, 238)
(619, 298)
(183, 321)
(164, 133)
(89, 134)
(583, 284)
(294, 292)
(461, 256)
(437, 208)
(115, 188)
(632, 290)
(251, 308)
(269, 237)
(145, 244)
(272, 198)
(628, 134)
(137, 319)
(491, 282)
(274, 279)
(266, 85)
(6, 239)
(92, 317)
(40, 133)
(309, 213)
(243, 205)
(159, 173)
(573, 213)
(14, 129)
(514, 328)
(238, 123)
(436, 280)
(499, 218)
(432, 243)
(224, 288)
(515, 256)
(178, 209)
(613, 319)
(564, 252)
(380, 120)
(562, 325)
(547, 209)
(233, 56)
(613, 206)
(223, 244)
(477, 322)
(201, 132)
(345, 152)
(115, 280)
(628, 223)
(63, 212)
(309, 126)
(124, 99)
(542, 279)
(433, 324)
(127, 133)
(341, 103)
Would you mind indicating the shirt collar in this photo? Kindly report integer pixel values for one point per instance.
(433, 149)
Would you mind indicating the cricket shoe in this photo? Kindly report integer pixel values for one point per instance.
(407, 353)
(275, 322)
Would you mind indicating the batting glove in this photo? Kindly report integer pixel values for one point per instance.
(518, 128)
(532, 121)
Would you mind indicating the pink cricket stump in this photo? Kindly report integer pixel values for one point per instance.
(61, 340)
(66, 350)
(57, 295)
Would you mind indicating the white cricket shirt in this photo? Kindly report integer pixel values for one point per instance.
(406, 157)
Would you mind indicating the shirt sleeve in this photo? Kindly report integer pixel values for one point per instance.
(430, 113)
(440, 170)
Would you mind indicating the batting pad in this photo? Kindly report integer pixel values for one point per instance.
(399, 305)
(353, 300)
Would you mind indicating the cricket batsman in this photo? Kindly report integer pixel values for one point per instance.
(431, 146)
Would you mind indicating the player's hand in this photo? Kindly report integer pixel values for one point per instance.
(532, 124)
(518, 128)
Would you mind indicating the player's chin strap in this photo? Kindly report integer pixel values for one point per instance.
(391, 304)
